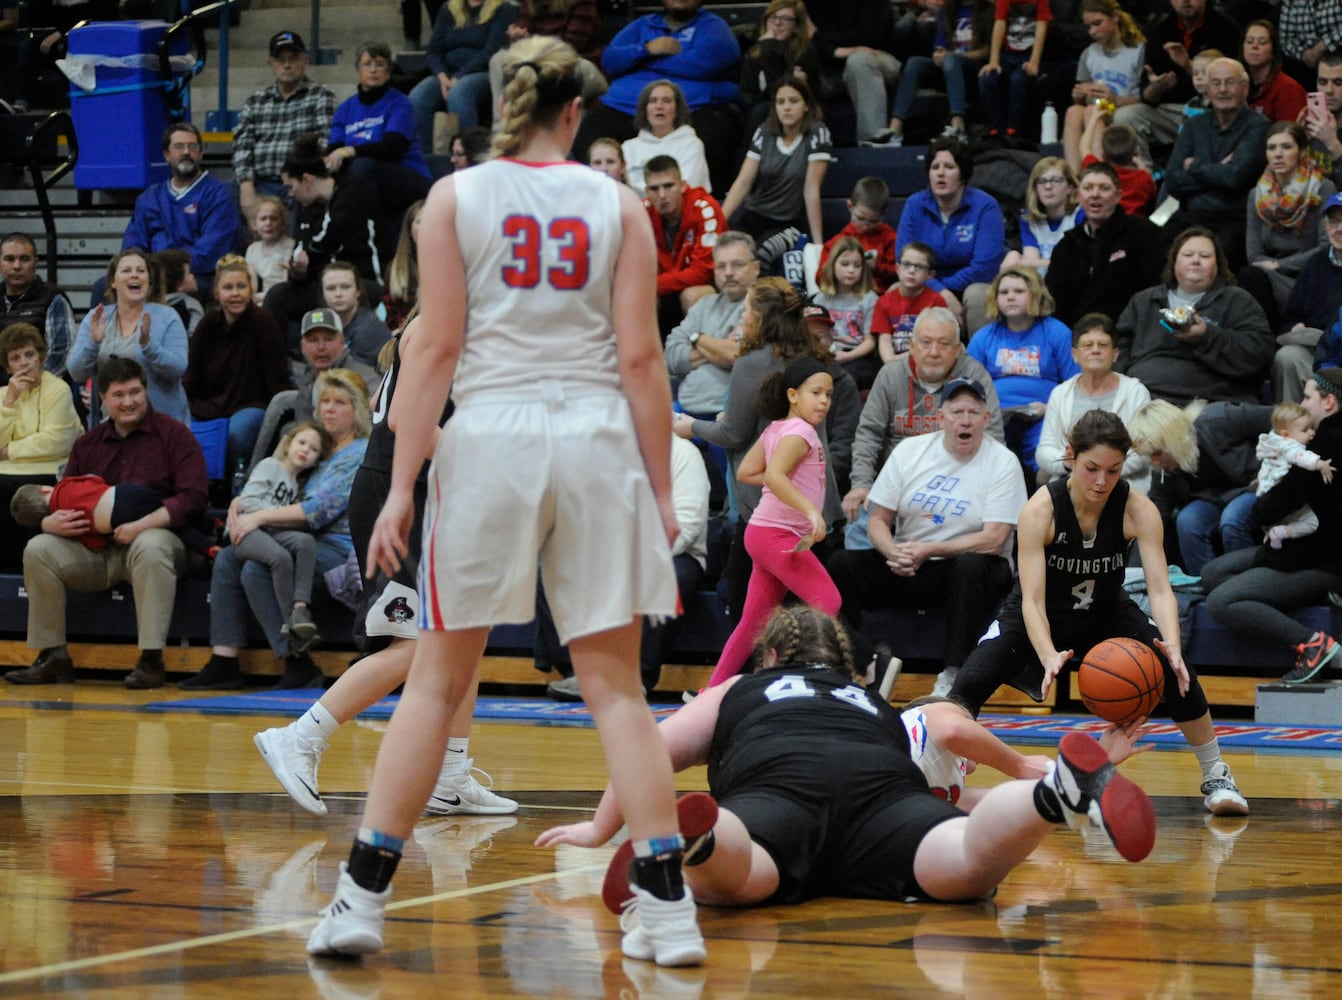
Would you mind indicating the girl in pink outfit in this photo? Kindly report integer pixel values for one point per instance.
(789, 462)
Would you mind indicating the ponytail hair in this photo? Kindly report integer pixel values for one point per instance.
(778, 306)
(540, 77)
(1128, 32)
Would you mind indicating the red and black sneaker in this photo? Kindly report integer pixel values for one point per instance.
(695, 814)
(1091, 791)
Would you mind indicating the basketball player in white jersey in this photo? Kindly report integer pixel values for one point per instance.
(538, 309)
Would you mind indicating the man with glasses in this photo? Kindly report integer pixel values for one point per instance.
(190, 211)
(274, 117)
(1217, 160)
(1171, 44)
(1103, 262)
(700, 351)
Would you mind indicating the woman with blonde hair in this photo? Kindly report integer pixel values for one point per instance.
(237, 360)
(403, 274)
(1050, 213)
(541, 322)
(323, 509)
(1203, 460)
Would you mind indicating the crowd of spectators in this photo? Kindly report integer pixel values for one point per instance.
(1039, 316)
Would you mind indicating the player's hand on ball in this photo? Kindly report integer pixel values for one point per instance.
(1121, 741)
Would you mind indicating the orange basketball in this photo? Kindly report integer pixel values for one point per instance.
(1121, 680)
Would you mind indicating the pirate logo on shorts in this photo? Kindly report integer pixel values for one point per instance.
(398, 610)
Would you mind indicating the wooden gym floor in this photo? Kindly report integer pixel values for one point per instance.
(148, 855)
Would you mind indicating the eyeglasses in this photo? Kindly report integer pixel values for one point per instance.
(781, 19)
(914, 266)
(1050, 181)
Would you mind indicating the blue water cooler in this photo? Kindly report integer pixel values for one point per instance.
(120, 121)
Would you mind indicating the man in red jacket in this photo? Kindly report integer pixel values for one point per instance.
(686, 222)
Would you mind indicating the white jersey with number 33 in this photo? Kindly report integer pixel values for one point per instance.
(539, 243)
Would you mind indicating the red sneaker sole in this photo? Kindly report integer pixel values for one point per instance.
(696, 813)
(1129, 818)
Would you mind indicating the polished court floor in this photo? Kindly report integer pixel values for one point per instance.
(152, 855)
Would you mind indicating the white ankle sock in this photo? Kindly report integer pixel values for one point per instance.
(1208, 755)
(316, 723)
(455, 760)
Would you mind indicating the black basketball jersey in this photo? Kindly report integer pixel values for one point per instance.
(382, 442)
(775, 724)
(1085, 577)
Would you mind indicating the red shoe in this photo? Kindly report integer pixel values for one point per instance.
(1092, 792)
(696, 813)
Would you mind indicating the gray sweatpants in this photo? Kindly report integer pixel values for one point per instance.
(291, 557)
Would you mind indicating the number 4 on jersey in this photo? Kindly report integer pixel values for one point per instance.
(570, 241)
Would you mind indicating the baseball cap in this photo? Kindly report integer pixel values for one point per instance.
(282, 40)
(1334, 202)
(957, 385)
(322, 319)
(817, 313)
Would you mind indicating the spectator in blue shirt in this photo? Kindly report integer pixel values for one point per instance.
(696, 51)
(962, 225)
(190, 211)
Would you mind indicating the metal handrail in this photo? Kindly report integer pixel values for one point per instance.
(56, 123)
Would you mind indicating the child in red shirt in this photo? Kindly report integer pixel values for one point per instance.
(866, 209)
(897, 309)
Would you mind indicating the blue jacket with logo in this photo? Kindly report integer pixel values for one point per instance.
(969, 246)
(706, 67)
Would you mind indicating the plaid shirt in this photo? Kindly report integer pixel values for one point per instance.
(269, 124)
(1305, 23)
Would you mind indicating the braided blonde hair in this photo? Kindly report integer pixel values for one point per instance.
(802, 634)
(540, 77)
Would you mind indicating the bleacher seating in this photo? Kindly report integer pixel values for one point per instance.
(1231, 665)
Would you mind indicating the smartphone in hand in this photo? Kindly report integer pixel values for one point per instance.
(1316, 106)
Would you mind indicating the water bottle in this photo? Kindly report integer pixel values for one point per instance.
(239, 477)
(1048, 124)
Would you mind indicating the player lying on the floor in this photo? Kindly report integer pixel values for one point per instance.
(817, 794)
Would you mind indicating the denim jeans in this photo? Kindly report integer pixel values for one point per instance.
(1006, 95)
(468, 95)
(1207, 529)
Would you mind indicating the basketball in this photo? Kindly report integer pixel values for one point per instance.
(1121, 680)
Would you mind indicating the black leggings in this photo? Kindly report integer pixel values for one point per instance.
(1006, 656)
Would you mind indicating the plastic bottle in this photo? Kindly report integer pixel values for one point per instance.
(239, 477)
(1048, 124)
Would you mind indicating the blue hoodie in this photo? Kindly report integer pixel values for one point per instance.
(205, 222)
(706, 68)
(969, 246)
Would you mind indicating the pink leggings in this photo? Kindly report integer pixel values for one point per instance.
(777, 570)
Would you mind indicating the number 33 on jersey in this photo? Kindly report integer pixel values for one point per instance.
(558, 254)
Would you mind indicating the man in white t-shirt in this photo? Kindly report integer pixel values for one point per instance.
(943, 510)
